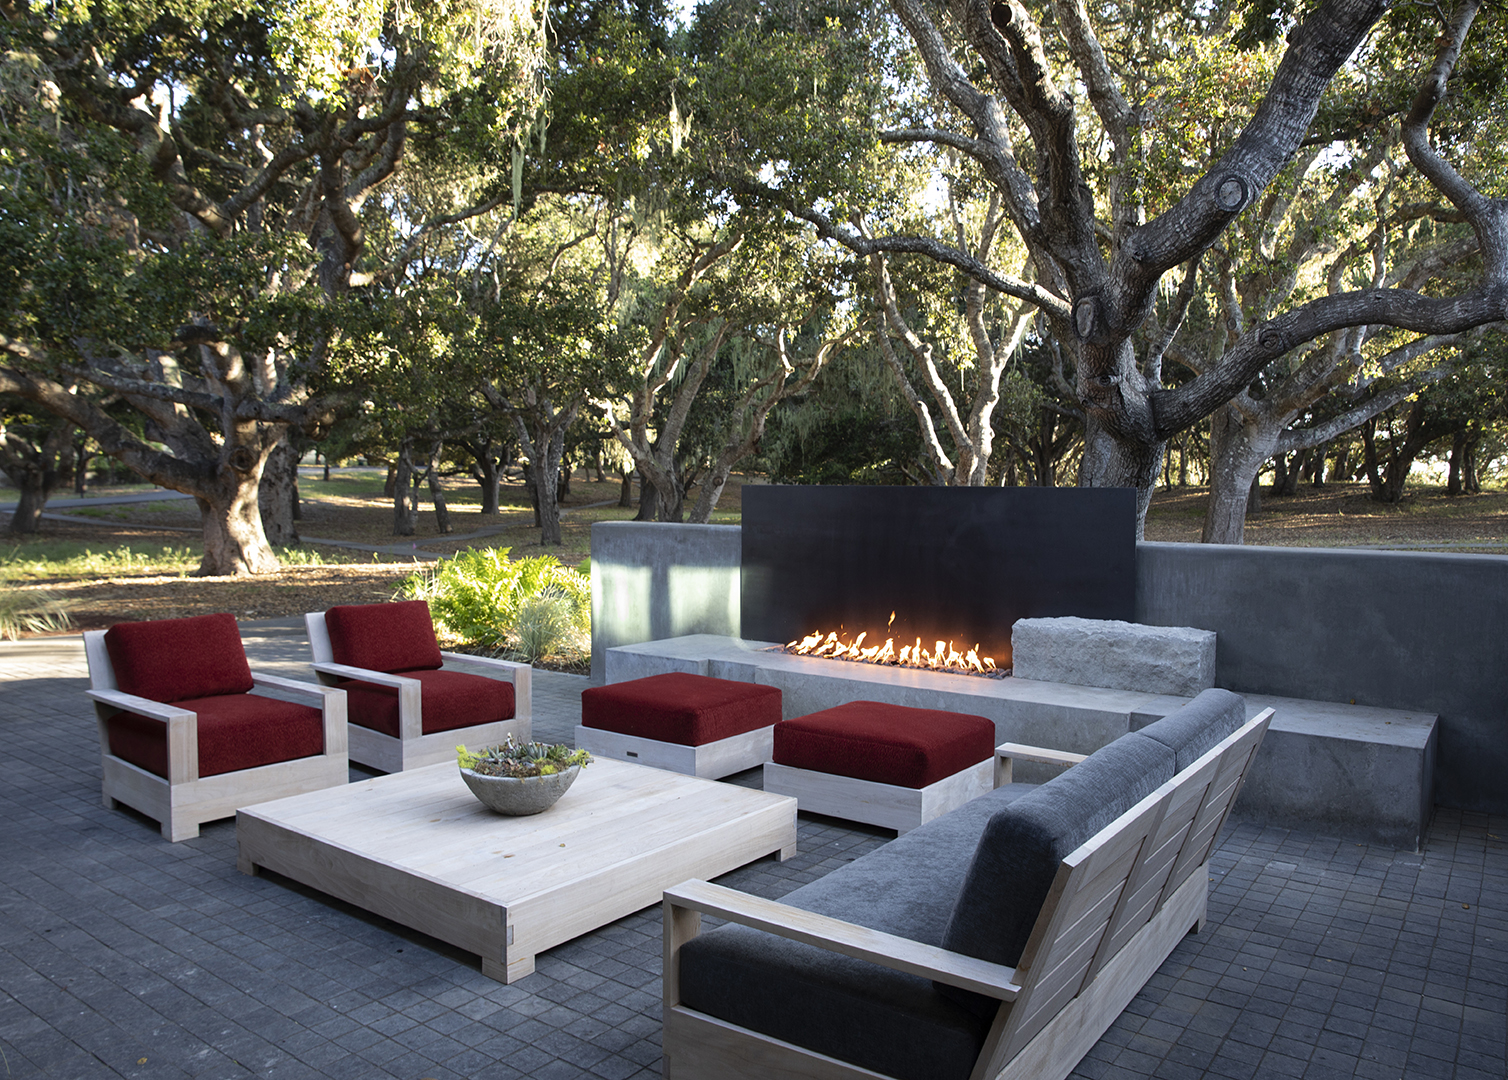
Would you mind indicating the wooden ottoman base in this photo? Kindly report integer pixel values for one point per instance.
(710, 761)
(886, 805)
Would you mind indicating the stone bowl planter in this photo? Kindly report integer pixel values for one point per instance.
(519, 796)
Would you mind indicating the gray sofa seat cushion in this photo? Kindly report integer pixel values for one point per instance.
(858, 1012)
(1193, 730)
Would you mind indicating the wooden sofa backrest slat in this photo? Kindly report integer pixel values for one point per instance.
(1216, 805)
(1099, 899)
(1087, 892)
(1148, 882)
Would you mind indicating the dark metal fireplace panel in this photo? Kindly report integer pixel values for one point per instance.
(958, 564)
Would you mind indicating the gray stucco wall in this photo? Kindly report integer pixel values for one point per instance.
(653, 580)
(1399, 630)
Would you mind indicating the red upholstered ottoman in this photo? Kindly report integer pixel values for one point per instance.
(683, 722)
(887, 765)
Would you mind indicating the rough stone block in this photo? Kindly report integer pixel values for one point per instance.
(1176, 660)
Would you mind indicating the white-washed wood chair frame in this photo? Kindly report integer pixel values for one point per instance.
(184, 800)
(413, 749)
(1119, 905)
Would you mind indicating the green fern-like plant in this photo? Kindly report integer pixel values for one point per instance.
(478, 597)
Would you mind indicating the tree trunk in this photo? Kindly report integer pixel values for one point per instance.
(649, 502)
(1279, 473)
(1341, 471)
(81, 458)
(1454, 485)
(436, 494)
(36, 470)
(277, 495)
(549, 496)
(390, 482)
(529, 481)
(1238, 447)
(1111, 462)
(405, 505)
(1290, 479)
(234, 541)
(626, 489)
(486, 470)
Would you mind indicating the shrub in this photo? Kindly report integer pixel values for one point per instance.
(479, 597)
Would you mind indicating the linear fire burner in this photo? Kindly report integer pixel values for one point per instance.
(954, 564)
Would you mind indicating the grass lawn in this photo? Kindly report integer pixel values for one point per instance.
(137, 560)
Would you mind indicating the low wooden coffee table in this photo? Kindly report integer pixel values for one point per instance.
(417, 848)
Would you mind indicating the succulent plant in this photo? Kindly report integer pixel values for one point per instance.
(521, 759)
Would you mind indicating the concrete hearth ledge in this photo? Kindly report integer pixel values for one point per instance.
(1360, 772)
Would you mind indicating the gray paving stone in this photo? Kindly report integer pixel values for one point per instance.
(1321, 957)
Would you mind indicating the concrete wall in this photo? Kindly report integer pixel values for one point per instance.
(653, 580)
(1398, 630)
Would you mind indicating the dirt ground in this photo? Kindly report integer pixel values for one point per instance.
(1335, 516)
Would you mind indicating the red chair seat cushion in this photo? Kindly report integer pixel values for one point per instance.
(681, 708)
(239, 731)
(172, 660)
(449, 700)
(888, 744)
(396, 637)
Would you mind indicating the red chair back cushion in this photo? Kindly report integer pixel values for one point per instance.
(394, 637)
(172, 660)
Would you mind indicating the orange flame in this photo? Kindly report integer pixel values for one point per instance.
(943, 657)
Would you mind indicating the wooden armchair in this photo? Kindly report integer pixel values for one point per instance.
(407, 709)
(184, 741)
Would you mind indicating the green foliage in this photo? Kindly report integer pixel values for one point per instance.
(64, 559)
(479, 597)
(30, 611)
(545, 626)
(521, 759)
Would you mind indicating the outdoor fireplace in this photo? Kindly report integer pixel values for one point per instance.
(927, 564)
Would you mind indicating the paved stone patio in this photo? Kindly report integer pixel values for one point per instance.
(123, 955)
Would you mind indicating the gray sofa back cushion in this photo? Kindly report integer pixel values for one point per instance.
(1018, 854)
(1193, 730)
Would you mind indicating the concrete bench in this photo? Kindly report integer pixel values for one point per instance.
(1363, 773)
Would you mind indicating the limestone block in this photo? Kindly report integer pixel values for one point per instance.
(1177, 660)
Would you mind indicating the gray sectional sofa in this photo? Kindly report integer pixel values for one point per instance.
(975, 883)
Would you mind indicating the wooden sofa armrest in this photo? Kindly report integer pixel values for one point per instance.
(1007, 753)
(521, 675)
(182, 733)
(332, 706)
(835, 935)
